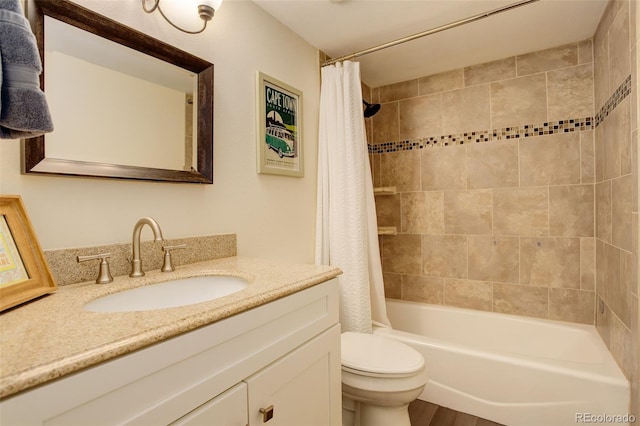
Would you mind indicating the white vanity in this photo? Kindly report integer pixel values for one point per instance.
(273, 360)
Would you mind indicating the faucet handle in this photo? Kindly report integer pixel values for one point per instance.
(104, 274)
(167, 266)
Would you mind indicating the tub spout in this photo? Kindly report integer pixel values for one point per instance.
(136, 263)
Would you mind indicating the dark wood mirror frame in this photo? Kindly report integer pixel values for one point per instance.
(34, 159)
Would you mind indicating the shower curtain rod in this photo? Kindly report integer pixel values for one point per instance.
(431, 31)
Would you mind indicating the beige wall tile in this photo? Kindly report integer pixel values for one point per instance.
(374, 160)
(608, 277)
(548, 59)
(423, 289)
(635, 76)
(444, 255)
(572, 305)
(492, 165)
(520, 300)
(366, 91)
(621, 298)
(422, 212)
(519, 101)
(401, 169)
(392, 285)
(388, 211)
(587, 157)
(616, 292)
(620, 347)
(634, 168)
(421, 117)
(501, 69)
(401, 254)
(621, 207)
(603, 321)
(368, 129)
(397, 91)
(468, 212)
(493, 259)
(599, 152)
(385, 125)
(444, 168)
(601, 72)
(619, 59)
(375, 95)
(585, 51)
(603, 211)
(626, 143)
(606, 20)
(468, 294)
(570, 92)
(616, 133)
(441, 82)
(550, 262)
(521, 211)
(571, 210)
(587, 263)
(550, 160)
(466, 109)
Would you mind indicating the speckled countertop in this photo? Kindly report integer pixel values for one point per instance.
(53, 336)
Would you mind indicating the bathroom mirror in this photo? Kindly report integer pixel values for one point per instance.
(124, 105)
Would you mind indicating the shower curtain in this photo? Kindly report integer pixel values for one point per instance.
(346, 225)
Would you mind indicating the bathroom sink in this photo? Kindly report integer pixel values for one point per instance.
(169, 294)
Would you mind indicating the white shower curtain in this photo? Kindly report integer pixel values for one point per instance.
(346, 225)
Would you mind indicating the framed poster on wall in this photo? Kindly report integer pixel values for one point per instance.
(280, 145)
(24, 274)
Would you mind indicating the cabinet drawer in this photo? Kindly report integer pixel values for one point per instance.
(228, 409)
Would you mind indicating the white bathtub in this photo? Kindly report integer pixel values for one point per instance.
(510, 369)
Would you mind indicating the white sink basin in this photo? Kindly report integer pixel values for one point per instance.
(169, 294)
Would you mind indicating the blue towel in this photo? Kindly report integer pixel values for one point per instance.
(24, 112)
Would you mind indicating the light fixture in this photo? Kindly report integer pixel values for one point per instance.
(206, 10)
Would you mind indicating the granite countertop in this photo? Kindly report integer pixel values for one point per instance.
(53, 336)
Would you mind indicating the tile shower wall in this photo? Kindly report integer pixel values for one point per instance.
(616, 186)
(495, 176)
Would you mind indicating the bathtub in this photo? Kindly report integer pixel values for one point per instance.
(510, 369)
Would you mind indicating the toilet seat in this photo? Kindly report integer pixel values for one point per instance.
(376, 356)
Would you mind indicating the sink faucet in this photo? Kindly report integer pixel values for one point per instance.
(136, 263)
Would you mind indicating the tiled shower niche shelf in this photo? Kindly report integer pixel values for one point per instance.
(385, 190)
(387, 230)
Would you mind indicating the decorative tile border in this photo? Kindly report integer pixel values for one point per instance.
(618, 96)
(509, 133)
(506, 133)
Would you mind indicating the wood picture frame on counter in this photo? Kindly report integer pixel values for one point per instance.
(280, 146)
(24, 273)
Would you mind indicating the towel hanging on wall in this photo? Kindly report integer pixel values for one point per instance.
(24, 112)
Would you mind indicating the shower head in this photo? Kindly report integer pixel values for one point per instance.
(370, 109)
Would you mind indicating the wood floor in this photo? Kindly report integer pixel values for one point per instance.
(426, 414)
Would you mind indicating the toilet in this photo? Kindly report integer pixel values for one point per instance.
(380, 377)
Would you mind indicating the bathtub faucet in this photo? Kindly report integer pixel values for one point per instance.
(136, 263)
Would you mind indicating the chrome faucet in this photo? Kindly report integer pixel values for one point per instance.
(136, 263)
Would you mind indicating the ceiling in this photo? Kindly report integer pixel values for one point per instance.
(341, 27)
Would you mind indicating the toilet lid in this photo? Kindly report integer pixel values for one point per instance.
(377, 354)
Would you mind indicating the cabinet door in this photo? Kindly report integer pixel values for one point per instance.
(301, 388)
(227, 409)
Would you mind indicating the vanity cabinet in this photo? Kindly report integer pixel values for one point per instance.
(276, 364)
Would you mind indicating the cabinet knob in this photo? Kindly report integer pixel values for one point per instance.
(267, 413)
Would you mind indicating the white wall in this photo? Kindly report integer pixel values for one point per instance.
(273, 216)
